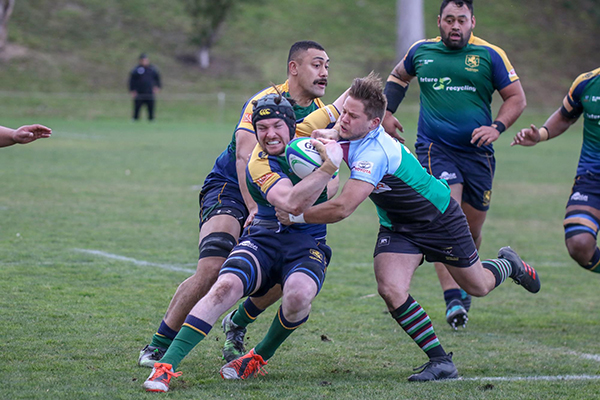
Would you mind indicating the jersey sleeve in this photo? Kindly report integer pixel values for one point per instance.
(572, 106)
(321, 118)
(369, 166)
(263, 171)
(503, 73)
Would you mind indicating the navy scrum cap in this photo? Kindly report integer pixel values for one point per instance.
(274, 105)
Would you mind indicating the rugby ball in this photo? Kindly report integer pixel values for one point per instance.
(302, 157)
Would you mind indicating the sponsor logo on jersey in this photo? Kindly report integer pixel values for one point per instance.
(261, 181)
(363, 166)
(330, 114)
(472, 61)
(579, 197)
(424, 62)
(512, 73)
(249, 244)
(441, 83)
(247, 118)
(595, 98)
(444, 84)
(447, 175)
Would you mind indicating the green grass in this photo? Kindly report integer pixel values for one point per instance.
(73, 323)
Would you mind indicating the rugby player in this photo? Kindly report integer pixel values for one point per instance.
(582, 217)
(418, 220)
(225, 205)
(457, 74)
(268, 254)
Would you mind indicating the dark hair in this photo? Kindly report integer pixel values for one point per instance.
(301, 47)
(459, 3)
(369, 90)
(143, 55)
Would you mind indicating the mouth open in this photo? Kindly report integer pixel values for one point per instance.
(322, 83)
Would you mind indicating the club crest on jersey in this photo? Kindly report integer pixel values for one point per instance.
(472, 61)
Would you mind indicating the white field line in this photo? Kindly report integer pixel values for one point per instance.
(134, 261)
(533, 378)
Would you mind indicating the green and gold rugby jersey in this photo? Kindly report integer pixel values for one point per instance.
(456, 89)
(584, 98)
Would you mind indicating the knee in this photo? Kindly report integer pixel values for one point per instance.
(392, 294)
(580, 249)
(477, 290)
(298, 297)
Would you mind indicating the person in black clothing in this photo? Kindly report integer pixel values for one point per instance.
(144, 83)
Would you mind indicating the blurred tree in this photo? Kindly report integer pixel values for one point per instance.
(410, 25)
(6, 7)
(208, 17)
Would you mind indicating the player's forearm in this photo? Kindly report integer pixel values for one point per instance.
(306, 192)
(513, 106)
(327, 213)
(556, 125)
(6, 136)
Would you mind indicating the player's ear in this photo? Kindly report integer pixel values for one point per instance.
(473, 21)
(374, 123)
(293, 67)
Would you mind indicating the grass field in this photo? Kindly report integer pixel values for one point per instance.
(98, 226)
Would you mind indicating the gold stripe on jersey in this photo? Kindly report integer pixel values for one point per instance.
(583, 77)
(512, 75)
(318, 119)
(260, 170)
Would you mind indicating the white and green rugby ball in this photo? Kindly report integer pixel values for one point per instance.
(302, 157)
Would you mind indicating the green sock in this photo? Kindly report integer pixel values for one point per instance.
(246, 313)
(279, 331)
(161, 341)
(192, 332)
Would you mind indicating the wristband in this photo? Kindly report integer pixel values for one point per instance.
(500, 127)
(297, 219)
(544, 133)
(394, 92)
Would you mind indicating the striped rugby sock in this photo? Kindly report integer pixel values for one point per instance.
(501, 269)
(416, 323)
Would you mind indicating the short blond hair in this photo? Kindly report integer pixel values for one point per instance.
(369, 91)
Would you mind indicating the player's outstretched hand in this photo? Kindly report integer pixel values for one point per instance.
(527, 137)
(331, 153)
(29, 133)
(392, 126)
(484, 135)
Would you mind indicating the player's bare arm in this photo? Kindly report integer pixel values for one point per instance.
(244, 144)
(510, 110)
(554, 126)
(353, 193)
(23, 135)
(295, 199)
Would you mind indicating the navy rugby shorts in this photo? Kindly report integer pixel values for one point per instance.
(447, 239)
(281, 254)
(474, 170)
(222, 198)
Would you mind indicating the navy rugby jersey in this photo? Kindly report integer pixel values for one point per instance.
(225, 164)
(456, 89)
(584, 98)
(264, 171)
(405, 195)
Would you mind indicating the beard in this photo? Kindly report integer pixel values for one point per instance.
(453, 44)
